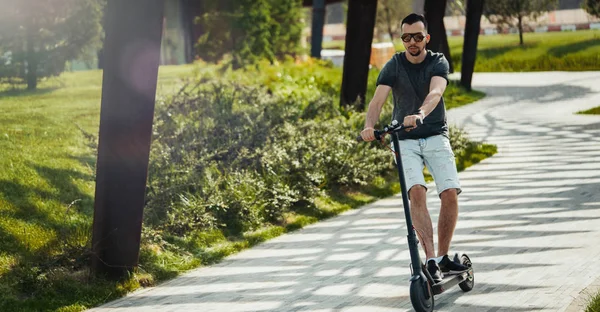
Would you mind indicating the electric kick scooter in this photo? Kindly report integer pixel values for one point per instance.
(422, 286)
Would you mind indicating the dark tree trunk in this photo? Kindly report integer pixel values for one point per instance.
(520, 25)
(434, 14)
(318, 22)
(131, 60)
(472, 29)
(359, 38)
(194, 9)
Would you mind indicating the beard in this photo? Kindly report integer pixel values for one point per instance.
(415, 53)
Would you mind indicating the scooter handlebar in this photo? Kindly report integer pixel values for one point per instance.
(378, 134)
(393, 127)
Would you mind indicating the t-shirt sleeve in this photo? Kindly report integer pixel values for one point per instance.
(387, 75)
(441, 68)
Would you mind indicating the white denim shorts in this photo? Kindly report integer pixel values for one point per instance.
(434, 152)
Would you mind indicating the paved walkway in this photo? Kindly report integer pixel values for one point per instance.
(530, 220)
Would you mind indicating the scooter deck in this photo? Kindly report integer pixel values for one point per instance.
(450, 281)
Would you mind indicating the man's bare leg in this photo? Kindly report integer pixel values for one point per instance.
(447, 220)
(422, 219)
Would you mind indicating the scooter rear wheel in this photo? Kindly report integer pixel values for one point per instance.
(421, 295)
(468, 284)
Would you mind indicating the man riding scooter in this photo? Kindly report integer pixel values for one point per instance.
(418, 79)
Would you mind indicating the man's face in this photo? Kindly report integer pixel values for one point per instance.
(414, 38)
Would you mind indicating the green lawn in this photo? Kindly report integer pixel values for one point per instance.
(47, 161)
(541, 52)
(593, 111)
(47, 186)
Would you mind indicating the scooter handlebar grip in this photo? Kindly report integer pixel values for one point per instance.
(377, 133)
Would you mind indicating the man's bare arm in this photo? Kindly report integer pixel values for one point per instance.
(436, 90)
(376, 104)
(374, 110)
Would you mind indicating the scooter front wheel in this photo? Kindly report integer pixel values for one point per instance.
(421, 295)
(468, 284)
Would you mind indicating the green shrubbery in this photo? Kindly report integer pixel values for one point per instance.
(233, 156)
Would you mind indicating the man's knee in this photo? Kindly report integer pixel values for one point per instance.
(449, 195)
(418, 193)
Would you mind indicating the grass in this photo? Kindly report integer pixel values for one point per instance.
(457, 96)
(46, 199)
(556, 51)
(46, 191)
(592, 111)
(594, 304)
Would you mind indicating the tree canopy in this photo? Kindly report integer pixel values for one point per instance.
(515, 13)
(592, 7)
(389, 15)
(38, 37)
(250, 30)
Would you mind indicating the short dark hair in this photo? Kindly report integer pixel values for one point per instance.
(414, 18)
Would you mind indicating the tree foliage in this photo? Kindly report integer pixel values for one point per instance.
(389, 15)
(250, 30)
(456, 7)
(38, 37)
(252, 37)
(516, 13)
(287, 28)
(592, 7)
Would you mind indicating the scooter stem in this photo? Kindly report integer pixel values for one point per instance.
(412, 237)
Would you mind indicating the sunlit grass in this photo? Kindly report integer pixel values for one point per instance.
(568, 51)
(592, 111)
(47, 184)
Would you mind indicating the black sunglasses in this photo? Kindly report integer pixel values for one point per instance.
(418, 37)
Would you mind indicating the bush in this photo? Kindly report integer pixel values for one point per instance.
(236, 158)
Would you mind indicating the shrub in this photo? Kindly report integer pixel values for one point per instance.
(235, 157)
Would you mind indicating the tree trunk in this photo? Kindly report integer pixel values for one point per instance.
(359, 38)
(318, 21)
(520, 25)
(131, 60)
(389, 20)
(434, 14)
(472, 29)
(32, 61)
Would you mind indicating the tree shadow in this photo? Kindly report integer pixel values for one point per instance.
(68, 192)
(492, 52)
(573, 47)
(539, 94)
(26, 199)
(15, 92)
(44, 227)
(488, 53)
(86, 160)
